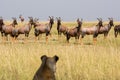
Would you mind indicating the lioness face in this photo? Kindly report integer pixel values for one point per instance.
(50, 62)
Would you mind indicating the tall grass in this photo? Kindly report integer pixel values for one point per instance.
(20, 61)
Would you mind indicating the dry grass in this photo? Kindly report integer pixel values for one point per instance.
(20, 61)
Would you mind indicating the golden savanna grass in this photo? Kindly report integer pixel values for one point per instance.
(20, 61)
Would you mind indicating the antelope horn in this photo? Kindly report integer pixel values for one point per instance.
(49, 17)
(13, 18)
(101, 19)
(98, 19)
(60, 18)
(35, 20)
(56, 18)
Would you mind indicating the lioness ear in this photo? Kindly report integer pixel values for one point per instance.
(56, 58)
(44, 57)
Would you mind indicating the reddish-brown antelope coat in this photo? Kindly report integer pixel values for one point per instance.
(39, 29)
(91, 30)
(75, 32)
(116, 30)
(25, 29)
(8, 29)
(105, 29)
(61, 28)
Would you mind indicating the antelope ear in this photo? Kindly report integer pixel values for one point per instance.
(37, 19)
(109, 18)
(43, 58)
(59, 18)
(56, 58)
(29, 17)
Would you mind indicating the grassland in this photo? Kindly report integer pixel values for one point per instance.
(20, 61)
